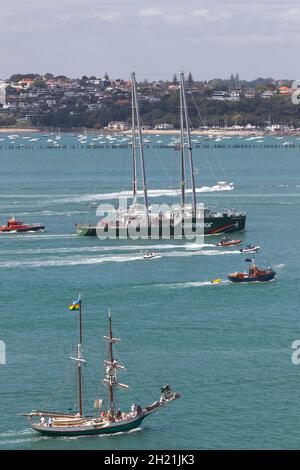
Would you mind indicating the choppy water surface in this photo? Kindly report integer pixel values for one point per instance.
(226, 347)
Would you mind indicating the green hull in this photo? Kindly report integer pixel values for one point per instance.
(85, 431)
(212, 226)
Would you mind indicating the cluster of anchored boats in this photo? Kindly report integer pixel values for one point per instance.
(254, 274)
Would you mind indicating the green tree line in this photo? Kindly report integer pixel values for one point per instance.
(203, 111)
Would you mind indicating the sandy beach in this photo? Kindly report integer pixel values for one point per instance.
(13, 130)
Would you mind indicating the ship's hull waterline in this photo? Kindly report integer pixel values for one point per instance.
(116, 427)
(211, 226)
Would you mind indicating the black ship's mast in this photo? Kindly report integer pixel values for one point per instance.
(182, 150)
(112, 365)
(137, 114)
(111, 359)
(189, 143)
(134, 179)
(80, 361)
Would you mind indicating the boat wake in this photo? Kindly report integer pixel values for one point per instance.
(203, 253)
(101, 436)
(107, 258)
(100, 249)
(187, 285)
(14, 438)
(28, 236)
(151, 193)
(74, 261)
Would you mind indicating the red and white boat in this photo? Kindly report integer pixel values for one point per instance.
(227, 242)
(17, 226)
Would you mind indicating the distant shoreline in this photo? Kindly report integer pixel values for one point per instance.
(206, 133)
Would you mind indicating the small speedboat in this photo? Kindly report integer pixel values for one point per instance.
(254, 274)
(250, 249)
(226, 242)
(151, 255)
(17, 226)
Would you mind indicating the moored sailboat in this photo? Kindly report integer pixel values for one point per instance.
(110, 419)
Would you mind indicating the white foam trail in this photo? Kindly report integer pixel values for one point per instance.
(15, 442)
(58, 262)
(279, 266)
(201, 253)
(196, 246)
(50, 213)
(151, 193)
(81, 260)
(38, 236)
(28, 196)
(186, 285)
(74, 438)
(98, 248)
(11, 432)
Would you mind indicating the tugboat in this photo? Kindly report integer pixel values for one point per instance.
(17, 226)
(108, 419)
(254, 274)
(226, 242)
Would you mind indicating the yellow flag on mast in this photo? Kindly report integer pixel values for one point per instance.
(76, 304)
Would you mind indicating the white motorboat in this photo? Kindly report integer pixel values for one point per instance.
(151, 255)
(250, 249)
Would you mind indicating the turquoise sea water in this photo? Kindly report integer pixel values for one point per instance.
(227, 348)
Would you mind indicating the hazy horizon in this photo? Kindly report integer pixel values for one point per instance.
(210, 39)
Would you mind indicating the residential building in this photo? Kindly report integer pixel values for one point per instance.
(118, 126)
(163, 127)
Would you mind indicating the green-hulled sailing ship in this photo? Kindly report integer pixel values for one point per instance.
(109, 419)
(178, 222)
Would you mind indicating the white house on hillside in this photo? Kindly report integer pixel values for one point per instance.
(163, 127)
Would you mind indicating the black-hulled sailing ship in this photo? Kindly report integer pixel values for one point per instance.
(110, 419)
(186, 218)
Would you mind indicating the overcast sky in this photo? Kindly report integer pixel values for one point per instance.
(210, 38)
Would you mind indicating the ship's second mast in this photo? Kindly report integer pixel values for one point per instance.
(136, 110)
(112, 366)
(189, 143)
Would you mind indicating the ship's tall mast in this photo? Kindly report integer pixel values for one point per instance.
(137, 113)
(111, 359)
(80, 360)
(182, 150)
(112, 365)
(134, 179)
(79, 355)
(187, 123)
